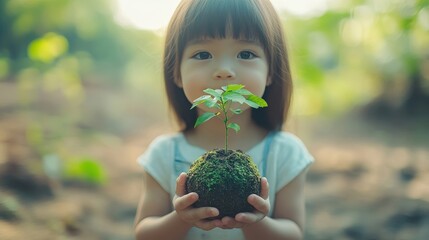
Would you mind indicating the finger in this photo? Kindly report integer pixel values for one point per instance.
(199, 214)
(229, 223)
(209, 224)
(203, 213)
(185, 201)
(260, 204)
(180, 184)
(264, 188)
(248, 218)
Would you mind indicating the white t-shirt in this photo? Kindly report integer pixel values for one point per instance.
(280, 157)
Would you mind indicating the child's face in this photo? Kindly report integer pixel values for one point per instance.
(214, 63)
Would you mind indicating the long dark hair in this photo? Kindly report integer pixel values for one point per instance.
(248, 19)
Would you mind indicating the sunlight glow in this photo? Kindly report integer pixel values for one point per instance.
(145, 14)
(154, 15)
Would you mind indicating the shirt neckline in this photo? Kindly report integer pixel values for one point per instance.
(188, 147)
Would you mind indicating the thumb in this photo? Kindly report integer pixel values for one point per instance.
(180, 184)
(264, 188)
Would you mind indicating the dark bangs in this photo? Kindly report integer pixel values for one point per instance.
(219, 19)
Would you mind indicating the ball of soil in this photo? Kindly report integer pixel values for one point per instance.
(224, 179)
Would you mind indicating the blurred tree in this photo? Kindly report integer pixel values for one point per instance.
(363, 51)
(87, 26)
(49, 50)
(356, 52)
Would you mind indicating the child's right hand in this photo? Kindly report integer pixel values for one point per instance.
(197, 217)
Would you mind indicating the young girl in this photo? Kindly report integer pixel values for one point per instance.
(209, 44)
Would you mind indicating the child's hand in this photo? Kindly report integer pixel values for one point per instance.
(260, 203)
(182, 203)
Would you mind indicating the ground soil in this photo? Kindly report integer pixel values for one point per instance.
(369, 180)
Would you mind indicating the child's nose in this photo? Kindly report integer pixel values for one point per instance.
(224, 74)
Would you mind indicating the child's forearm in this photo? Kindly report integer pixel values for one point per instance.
(273, 229)
(166, 227)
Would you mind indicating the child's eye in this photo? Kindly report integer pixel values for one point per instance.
(202, 55)
(246, 55)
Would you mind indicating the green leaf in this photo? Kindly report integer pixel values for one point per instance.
(252, 104)
(243, 92)
(203, 97)
(212, 102)
(200, 100)
(85, 169)
(215, 93)
(236, 111)
(204, 118)
(234, 97)
(233, 87)
(257, 100)
(234, 126)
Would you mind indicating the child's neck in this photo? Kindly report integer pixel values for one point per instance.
(211, 134)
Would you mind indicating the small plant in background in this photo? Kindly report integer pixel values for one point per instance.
(85, 170)
(224, 178)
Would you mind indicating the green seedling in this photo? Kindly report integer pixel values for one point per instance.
(222, 99)
(224, 178)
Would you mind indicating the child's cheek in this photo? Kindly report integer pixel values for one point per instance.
(193, 89)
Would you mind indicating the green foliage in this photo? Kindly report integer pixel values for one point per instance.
(47, 48)
(350, 54)
(357, 52)
(221, 99)
(85, 169)
(9, 208)
(35, 32)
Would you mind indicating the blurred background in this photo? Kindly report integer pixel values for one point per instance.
(81, 97)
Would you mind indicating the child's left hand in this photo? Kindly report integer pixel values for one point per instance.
(260, 203)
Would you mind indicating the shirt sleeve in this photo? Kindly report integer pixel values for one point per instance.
(293, 159)
(157, 162)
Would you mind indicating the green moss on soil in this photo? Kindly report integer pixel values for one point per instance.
(224, 179)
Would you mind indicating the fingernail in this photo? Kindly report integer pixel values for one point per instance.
(178, 177)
